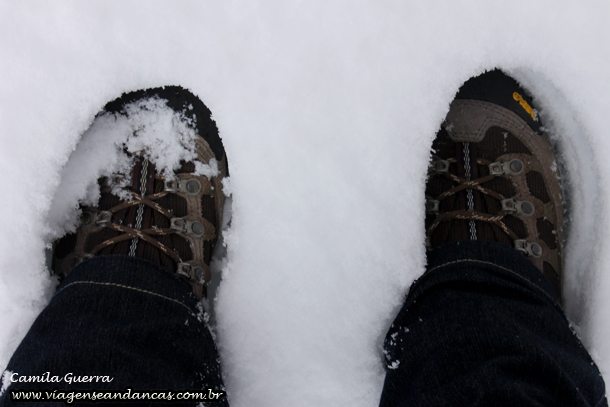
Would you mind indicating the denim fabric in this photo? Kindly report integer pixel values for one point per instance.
(483, 327)
(122, 317)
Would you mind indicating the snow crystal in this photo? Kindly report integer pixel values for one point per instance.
(394, 365)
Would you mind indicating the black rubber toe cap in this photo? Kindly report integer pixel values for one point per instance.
(181, 100)
(497, 87)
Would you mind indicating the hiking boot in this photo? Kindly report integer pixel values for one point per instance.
(173, 221)
(493, 175)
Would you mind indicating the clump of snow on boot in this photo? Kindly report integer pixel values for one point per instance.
(109, 147)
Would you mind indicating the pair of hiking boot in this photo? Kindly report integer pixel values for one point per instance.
(492, 177)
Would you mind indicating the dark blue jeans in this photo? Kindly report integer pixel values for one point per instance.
(481, 327)
(125, 318)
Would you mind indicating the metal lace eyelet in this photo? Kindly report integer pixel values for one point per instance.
(513, 167)
(192, 273)
(440, 166)
(525, 209)
(432, 206)
(190, 186)
(103, 217)
(187, 227)
(86, 218)
(529, 249)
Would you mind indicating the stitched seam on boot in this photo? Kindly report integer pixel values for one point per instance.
(499, 267)
(130, 288)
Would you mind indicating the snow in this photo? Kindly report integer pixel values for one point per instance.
(327, 111)
(149, 128)
(6, 381)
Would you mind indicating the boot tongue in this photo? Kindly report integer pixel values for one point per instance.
(468, 163)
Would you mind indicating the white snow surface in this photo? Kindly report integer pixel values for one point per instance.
(327, 111)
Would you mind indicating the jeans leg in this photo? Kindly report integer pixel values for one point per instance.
(484, 328)
(125, 318)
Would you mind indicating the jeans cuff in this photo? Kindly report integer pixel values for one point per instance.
(491, 258)
(132, 273)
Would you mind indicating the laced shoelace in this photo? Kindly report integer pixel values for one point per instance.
(475, 184)
(147, 234)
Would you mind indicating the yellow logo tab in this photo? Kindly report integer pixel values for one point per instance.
(532, 112)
